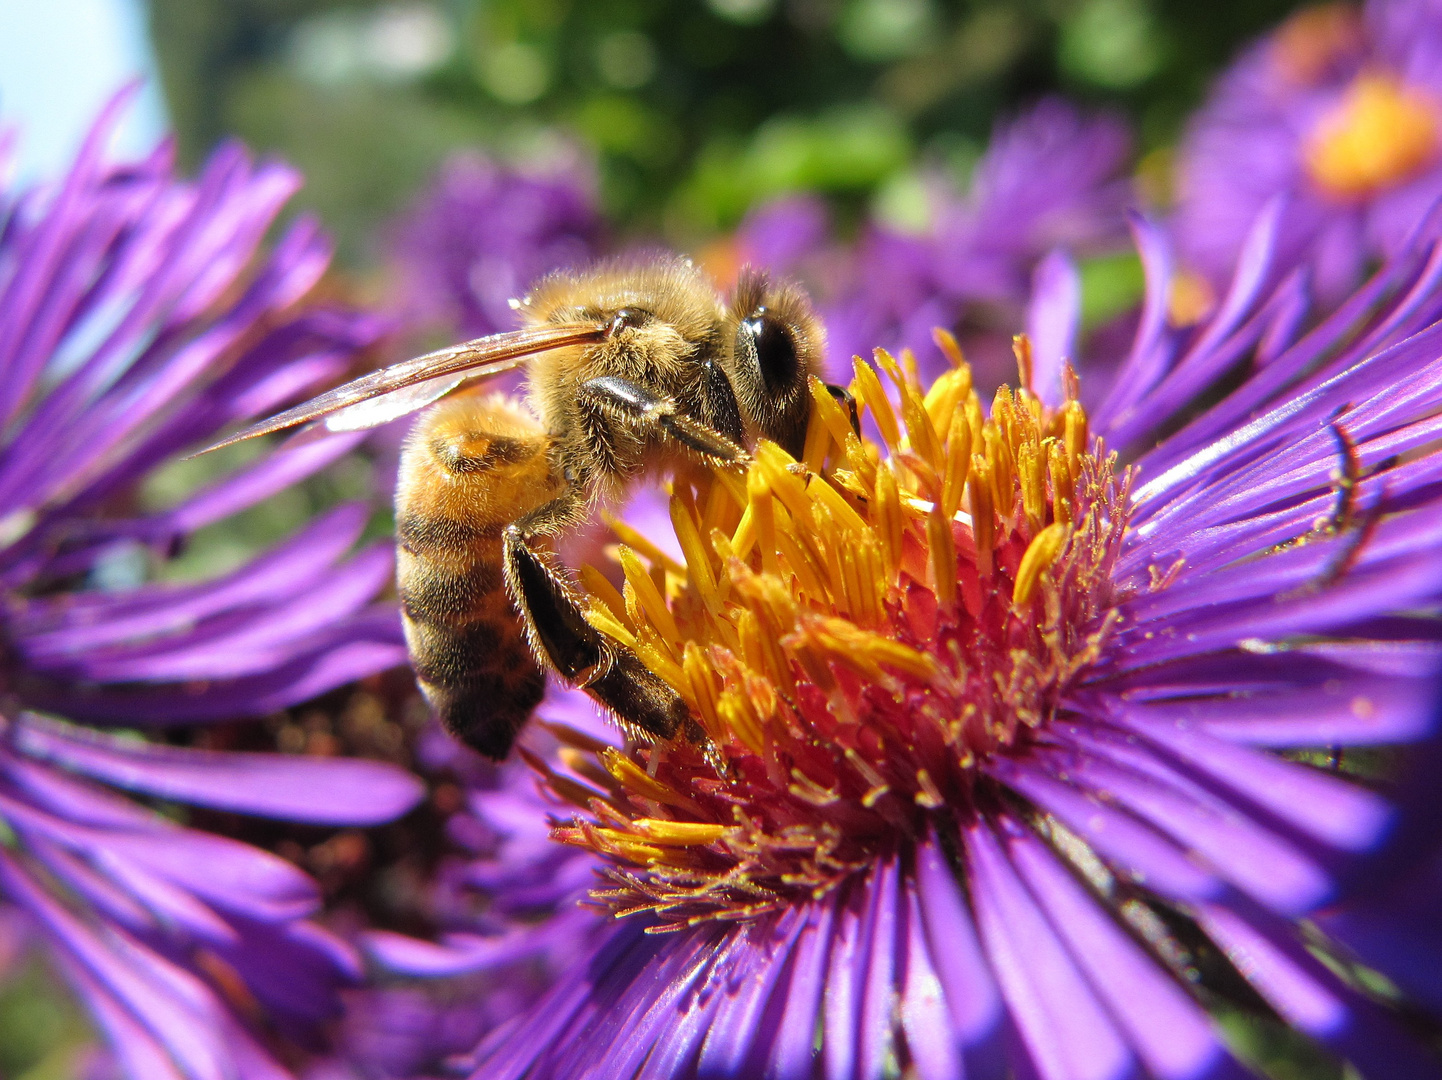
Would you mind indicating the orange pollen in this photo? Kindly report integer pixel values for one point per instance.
(857, 633)
(1380, 134)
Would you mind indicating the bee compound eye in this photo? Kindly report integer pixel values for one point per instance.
(775, 350)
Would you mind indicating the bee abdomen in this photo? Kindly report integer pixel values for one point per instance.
(471, 466)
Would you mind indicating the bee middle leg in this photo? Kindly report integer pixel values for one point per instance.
(644, 704)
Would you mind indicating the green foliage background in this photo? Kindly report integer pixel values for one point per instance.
(695, 108)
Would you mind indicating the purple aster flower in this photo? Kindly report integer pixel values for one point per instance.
(139, 315)
(1339, 114)
(1011, 717)
(484, 232)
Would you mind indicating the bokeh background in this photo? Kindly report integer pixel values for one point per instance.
(688, 112)
(694, 109)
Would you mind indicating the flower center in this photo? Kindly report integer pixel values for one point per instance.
(1380, 134)
(858, 632)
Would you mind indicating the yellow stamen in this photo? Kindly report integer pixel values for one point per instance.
(763, 514)
(777, 467)
(889, 520)
(1031, 472)
(643, 544)
(1003, 479)
(679, 833)
(605, 595)
(688, 536)
(1063, 491)
(1021, 349)
(850, 673)
(702, 686)
(946, 342)
(601, 618)
(1380, 134)
(1074, 433)
(616, 842)
(630, 775)
(803, 563)
(817, 445)
(649, 597)
(946, 396)
(1040, 554)
(983, 513)
(943, 556)
(867, 389)
(833, 417)
(958, 463)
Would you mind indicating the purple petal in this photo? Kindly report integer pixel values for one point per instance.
(841, 1007)
(881, 949)
(1255, 860)
(744, 1024)
(1133, 849)
(1170, 1031)
(971, 994)
(792, 1056)
(88, 620)
(925, 1019)
(1052, 321)
(1325, 807)
(1309, 998)
(314, 790)
(164, 998)
(1067, 1033)
(363, 646)
(458, 954)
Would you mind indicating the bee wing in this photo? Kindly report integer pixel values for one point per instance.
(373, 412)
(412, 384)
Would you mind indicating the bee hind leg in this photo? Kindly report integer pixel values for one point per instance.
(643, 703)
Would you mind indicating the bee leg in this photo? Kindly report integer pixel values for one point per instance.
(647, 409)
(642, 702)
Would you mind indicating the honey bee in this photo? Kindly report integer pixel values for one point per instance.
(632, 369)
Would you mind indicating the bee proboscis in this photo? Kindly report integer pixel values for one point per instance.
(632, 368)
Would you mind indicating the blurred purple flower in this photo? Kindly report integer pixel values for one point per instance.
(782, 235)
(509, 903)
(1275, 591)
(483, 233)
(139, 315)
(1052, 178)
(1338, 113)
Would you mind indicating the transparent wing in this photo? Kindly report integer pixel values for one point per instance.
(373, 412)
(469, 360)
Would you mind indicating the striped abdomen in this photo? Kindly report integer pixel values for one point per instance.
(471, 466)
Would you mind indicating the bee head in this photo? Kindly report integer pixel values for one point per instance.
(778, 344)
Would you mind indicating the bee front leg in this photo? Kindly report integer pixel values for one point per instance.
(643, 703)
(658, 415)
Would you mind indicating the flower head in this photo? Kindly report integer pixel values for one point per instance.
(1005, 715)
(141, 315)
(1339, 113)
